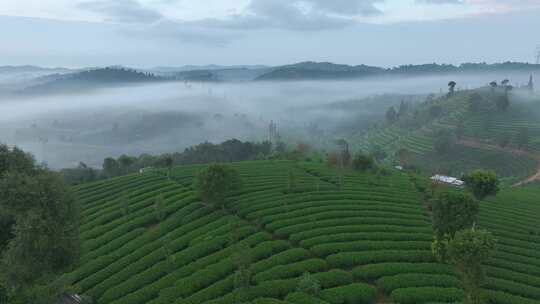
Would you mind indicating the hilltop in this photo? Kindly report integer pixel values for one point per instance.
(366, 241)
(327, 70)
(452, 134)
(89, 79)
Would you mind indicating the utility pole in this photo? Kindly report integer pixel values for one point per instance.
(538, 54)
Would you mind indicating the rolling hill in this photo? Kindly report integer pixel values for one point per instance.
(326, 70)
(365, 242)
(89, 79)
(506, 141)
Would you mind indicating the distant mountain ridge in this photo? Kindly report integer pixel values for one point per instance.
(326, 70)
(88, 79)
(38, 80)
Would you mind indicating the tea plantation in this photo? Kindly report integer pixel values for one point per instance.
(365, 240)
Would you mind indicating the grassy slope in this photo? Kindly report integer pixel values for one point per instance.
(373, 233)
(417, 133)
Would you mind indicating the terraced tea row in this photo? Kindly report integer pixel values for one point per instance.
(367, 239)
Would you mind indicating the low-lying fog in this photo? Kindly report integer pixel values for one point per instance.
(65, 129)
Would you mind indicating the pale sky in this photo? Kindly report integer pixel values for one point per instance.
(143, 33)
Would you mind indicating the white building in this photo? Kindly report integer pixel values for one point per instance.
(447, 180)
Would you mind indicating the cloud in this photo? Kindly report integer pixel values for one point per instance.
(121, 11)
(301, 15)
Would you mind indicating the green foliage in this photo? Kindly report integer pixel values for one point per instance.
(41, 219)
(303, 298)
(414, 295)
(363, 162)
(218, 181)
(356, 293)
(405, 280)
(403, 155)
(476, 102)
(467, 251)
(159, 206)
(309, 285)
(375, 271)
(451, 212)
(482, 183)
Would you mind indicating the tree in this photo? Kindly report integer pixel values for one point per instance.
(451, 87)
(403, 155)
(345, 154)
(475, 102)
(242, 275)
(493, 85)
(291, 181)
(451, 212)
(159, 206)
(403, 108)
(218, 181)
(362, 162)
(125, 162)
(503, 102)
(467, 251)
(111, 167)
(481, 183)
(391, 115)
(39, 219)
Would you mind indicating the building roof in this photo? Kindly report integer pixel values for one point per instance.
(447, 179)
(67, 298)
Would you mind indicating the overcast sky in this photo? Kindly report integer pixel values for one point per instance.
(144, 33)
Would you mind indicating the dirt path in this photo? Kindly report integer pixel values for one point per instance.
(476, 144)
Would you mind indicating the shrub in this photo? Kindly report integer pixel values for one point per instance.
(291, 270)
(356, 293)
(482, 183)
(351, 259)
(217, 182)
(309, 285)
(375, 271)
(389, 284)
(414, 295)
(362, 162)
(303, 298)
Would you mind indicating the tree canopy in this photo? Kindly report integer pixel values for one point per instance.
(467, 251)
(452, 212)
(218, 181)
(39, 221)
(482, 183)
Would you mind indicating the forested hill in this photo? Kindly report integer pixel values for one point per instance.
(92, 78)
(326, 70)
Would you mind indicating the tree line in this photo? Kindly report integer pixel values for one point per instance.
(39, 229)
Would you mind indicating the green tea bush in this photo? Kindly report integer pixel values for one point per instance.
(332, 248)
(351, 259)
(303, 298)
(389, 284)
(291, 270)
(375, 271)
(356, 293)
(414, 295)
